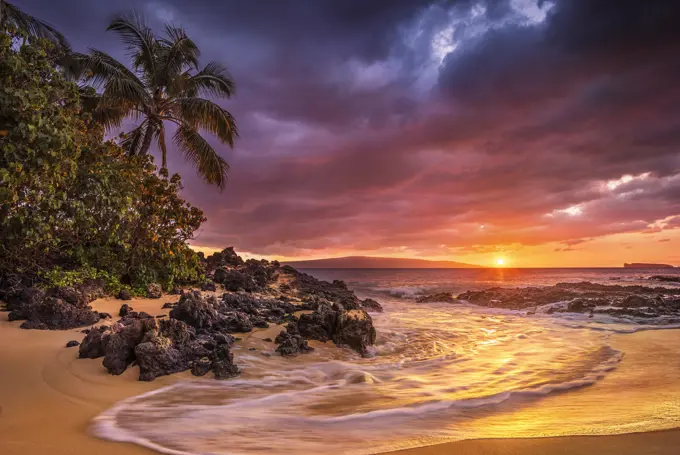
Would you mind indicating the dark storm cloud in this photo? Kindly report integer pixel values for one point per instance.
(372, 125)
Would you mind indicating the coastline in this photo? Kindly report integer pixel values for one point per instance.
(664, 442)
(48, 399)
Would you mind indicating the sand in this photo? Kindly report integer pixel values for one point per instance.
(48, 398)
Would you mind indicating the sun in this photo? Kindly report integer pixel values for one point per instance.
(500, 262)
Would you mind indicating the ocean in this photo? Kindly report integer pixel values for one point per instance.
(439, 372)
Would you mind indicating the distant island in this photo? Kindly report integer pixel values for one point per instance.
(644, 265)
(368, 262)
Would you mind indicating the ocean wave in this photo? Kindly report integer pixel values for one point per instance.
(404, 292)
(259, 405)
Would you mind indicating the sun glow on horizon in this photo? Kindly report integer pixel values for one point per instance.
(500, 262)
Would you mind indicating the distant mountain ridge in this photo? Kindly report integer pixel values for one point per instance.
(369, 262)
(645, 265)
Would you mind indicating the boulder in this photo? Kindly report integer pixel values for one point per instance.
(52, 313)
(319, 325)
(226, 257)
(208, 286)
(261, 272)
(355, 329)
(158, 357)
(580, 306)
(18, 301)
(72, 344)
(196, 310)
(223, 363)
(371, 305)
(234, 280)
(438, 297)
(201, 366)
(120, 345)
(80, 295)
(637, 301)
(92, 347)
(310, 289)
(124, 310)
(237, 322)
(124, 294)
(154, 291)
(290, 342)
(172, 348)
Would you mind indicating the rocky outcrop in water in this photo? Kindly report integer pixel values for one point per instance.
(266, 292)
(290, 342)
(371, 306)
(353, 328)
(584, 297)
(439, 297)
(666, 278)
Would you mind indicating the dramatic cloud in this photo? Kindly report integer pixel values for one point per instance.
(432, 128)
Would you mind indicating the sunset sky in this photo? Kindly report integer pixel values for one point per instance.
(542, 132)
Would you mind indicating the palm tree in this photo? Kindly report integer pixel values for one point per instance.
(164, 85)
(32, 26)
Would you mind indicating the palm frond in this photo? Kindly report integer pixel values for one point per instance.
(204, 114)
(212, 81)
(121, 91)
(33, 26)
(132, 143)
(212, 167)
(176, 52)
(72, 66)
(139, 38)
(100, 68)
(110, 117)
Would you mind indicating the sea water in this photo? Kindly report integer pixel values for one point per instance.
(438, 372)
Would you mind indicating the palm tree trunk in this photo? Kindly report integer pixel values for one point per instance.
(146, 143)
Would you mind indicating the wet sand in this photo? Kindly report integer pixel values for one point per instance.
(48, 398)
(652, 443)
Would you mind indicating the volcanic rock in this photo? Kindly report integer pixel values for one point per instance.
(196, 310)
(439, 297)
(124, 294)
(124, 310)
(371, 305)
(290, 342)
(53, 313)
(234, 280)
(223, 363)
(154, 291)
(355, 329)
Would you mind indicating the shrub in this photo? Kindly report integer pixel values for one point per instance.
(73, 205)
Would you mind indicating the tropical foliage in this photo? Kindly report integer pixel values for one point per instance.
(164, 86)
(12, 17)
(71, 204)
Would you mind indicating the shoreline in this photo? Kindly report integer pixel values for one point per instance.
(49, 398)
(661, 442)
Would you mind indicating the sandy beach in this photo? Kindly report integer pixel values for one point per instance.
(48, 399)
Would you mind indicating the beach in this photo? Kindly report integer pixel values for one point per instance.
(48, 399)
